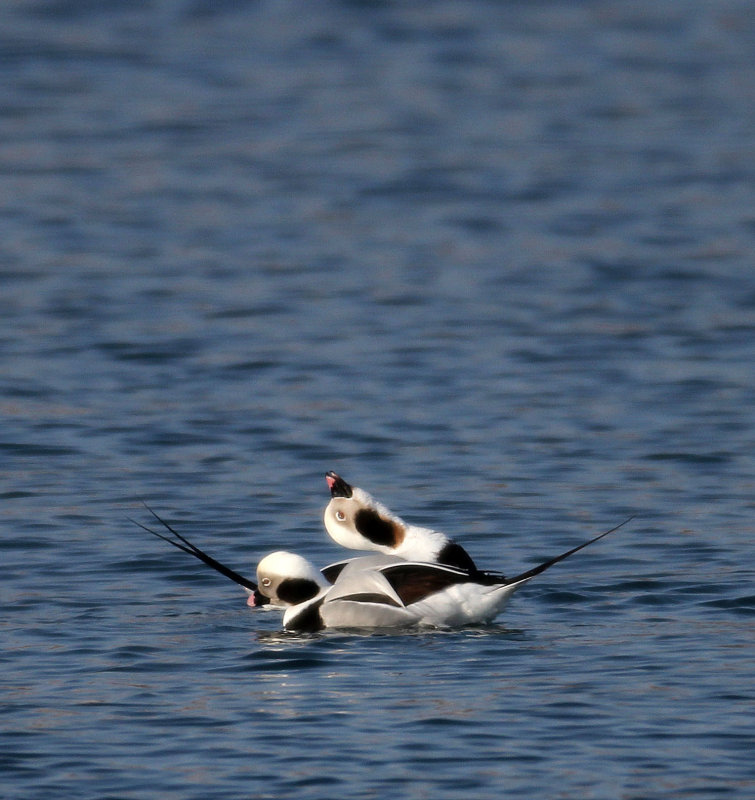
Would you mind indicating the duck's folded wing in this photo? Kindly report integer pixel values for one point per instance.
(362, 597)
(413, 581)
(364, 586)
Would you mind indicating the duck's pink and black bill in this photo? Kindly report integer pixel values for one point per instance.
(182, 543)
(337, 485)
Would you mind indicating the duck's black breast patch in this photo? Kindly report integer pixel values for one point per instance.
(297, 590)
(456, 556)
(308, 620)
(377, 529)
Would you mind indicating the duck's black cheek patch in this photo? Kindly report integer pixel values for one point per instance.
(378, 530)
(297, 590)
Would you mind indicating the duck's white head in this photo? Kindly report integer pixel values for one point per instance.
(354, 519)
(287, 579)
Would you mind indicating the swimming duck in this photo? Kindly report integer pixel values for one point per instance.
(375, 591)
(356, 520)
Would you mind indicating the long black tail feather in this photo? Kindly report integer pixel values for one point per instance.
(530, 573)
(184, 544)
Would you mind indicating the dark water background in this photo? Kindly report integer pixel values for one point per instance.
(492, 262)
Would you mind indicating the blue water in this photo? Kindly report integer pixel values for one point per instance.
(492, 262)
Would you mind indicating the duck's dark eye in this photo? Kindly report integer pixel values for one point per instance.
(266, 582)
(340, 516)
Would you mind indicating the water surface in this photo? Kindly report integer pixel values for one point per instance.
(490, 261)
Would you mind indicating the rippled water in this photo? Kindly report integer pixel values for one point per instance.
(490, 261)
